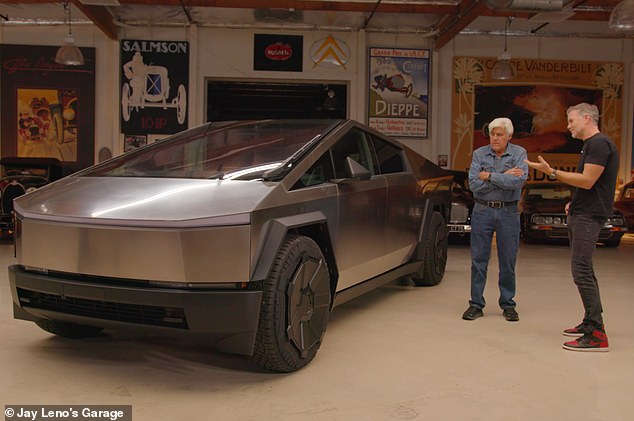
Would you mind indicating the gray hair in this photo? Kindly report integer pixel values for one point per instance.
(586, 109)
(504, 123)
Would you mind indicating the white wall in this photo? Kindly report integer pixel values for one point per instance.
(228, 53)
(231, 57)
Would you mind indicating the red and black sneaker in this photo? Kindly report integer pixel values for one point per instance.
(578, 330)
(597, 341)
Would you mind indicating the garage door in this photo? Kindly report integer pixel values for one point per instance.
(231, 100)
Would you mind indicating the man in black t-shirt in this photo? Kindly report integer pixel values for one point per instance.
(590, 207)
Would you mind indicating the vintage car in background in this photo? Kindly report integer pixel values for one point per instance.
(20, 176)
(625, 204)
(461, 208)
(544, 218)
(248, 232)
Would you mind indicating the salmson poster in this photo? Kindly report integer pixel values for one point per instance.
(154, 85)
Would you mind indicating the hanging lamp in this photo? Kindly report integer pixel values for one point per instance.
(69, 54)
(622, 16)
(502, 69)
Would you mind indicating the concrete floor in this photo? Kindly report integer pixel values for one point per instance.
(398, 353)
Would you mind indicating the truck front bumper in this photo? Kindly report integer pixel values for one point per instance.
(230, 316)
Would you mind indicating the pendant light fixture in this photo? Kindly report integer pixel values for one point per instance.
(502, 69)
(69, 54)
(622, 16)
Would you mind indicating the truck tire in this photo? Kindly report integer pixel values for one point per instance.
(434, 252)
(295, 307)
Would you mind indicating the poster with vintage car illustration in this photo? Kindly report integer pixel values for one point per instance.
(154, 80)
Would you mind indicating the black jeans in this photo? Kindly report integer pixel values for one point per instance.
(583, 232)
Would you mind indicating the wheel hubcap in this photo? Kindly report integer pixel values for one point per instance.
(308, 299)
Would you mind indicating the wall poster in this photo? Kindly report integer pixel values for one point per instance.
(132, 142)
(536, 101)
(154, 85)
(399, 91)
(48, 108)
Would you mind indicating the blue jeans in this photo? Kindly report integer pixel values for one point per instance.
(505, 222)
(583, 232)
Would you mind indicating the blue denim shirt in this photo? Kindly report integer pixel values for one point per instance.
(505, 187)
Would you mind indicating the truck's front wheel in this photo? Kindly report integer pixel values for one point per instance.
(295, 306)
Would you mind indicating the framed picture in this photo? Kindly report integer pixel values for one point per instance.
(132, 142)
(47, 123)
(48, 108)
(399, 91)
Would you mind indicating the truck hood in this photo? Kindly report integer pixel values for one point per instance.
(144, 201)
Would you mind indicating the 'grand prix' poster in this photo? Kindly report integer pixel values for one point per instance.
(399, 91)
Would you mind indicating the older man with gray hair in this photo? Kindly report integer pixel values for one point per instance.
(496, 176)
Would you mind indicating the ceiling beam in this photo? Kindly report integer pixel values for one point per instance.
(589, 15)
(101, 17)
(468, 11)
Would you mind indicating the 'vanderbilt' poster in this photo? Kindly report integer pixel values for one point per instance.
(536, 101)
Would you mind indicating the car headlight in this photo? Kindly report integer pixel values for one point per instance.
(615, 220)
(542, 220)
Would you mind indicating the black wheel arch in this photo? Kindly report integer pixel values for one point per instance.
(432, 204)
(313, 225)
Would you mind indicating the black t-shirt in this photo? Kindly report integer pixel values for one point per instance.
(597, 201)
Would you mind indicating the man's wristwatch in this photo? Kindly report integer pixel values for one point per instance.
(553, 174)
(489, 177)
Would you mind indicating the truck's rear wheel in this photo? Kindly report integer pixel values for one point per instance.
(434, 253)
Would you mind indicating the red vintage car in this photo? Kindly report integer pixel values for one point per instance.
(625, 203)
